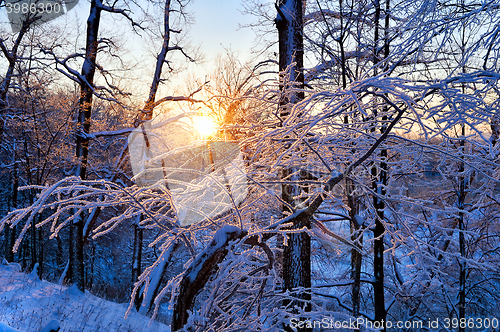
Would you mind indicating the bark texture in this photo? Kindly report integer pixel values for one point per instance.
(297, 252)
(77, 275)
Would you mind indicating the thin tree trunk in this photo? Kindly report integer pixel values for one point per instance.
(379, 182)
(356, 256)
(11, 57)
(462, 288)
(462, 188)
(11, 238)
(352, 201)
(71, 248)
(144, 115)
(378, 250)
(137, 259)
(33, 243)
(24, 254)
(495, 129)
(59, 256)
(137, 253)
(6, 237)
(92, 268)
(147, 112)
(40, 248)
(462, 194)
(77, 268)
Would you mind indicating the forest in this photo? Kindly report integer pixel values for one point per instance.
(344, 176)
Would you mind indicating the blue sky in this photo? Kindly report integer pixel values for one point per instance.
(217, 23)
(216, 28)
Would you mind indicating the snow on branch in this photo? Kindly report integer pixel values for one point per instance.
(71, 197)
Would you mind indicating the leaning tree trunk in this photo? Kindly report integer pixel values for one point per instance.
(199, 272)
(147, 112)
(82, 140)
(297, 253)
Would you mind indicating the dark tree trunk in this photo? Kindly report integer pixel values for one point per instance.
(11, 57)
(379, 184)
(59, 256)
(462, 193)
(378, 252)
(291, 52)
(11, 238)
(297, 253)
(92, 267)
(137, 259)
(24, 254)
(6, 237)
(463, 188)
(71, 248)
(77, 275)
(356, 256)
(380, 179)
(40, 248)
(33, 242)
(462, 288)
(30, 240)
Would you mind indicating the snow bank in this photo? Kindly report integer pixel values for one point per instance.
(5, 328)
(28, 304)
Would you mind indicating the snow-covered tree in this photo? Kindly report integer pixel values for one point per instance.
(382, 157)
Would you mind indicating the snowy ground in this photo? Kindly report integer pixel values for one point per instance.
(28, 304)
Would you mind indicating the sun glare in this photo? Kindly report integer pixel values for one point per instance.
(205, 125)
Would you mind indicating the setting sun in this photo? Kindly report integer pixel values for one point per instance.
(205, 125)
